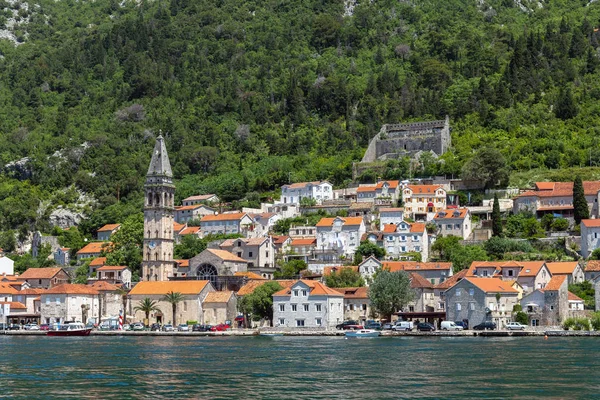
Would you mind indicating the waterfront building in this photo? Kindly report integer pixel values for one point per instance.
(69, 302)
(548, 306)
(45, 278)
(157, 253)
(357, 306)
(214, 265)
(219, 308)
(308, 304)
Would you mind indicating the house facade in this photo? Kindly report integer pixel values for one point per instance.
(69, 302)
(398, 240)
(234, 223)
(454, 222)
(105, 232)
(556, 198)
(548, 306)
(571, 269)
(340, 234)
(7, 266)
(590, 236)
(184, 214)
(308, 304)
(422, 202)
(390, 216)
(258, 252)
(45, 278)
(357, 306)
(62, 256)
(115, 274)
(93, 249)
(383, 190)
(219, 308)
(317, 191)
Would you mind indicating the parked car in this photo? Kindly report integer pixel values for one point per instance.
(450, 326)
(403, 326)
(31, 327)
(155, 327)
(138, 326)
(168, 328)
(201, 328)
(14, 327)
(373, 325)
(464, 324)
(487, 325)
(183, 328)
(220, 328)
(387, 326)
(425, 326)
(515, 326)
(44, 327)
(349, 325)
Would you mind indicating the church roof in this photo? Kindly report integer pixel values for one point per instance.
(160, 165)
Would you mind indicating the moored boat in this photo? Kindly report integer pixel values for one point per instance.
(363, 333)
(72, 329)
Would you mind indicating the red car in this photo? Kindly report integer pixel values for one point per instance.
(44, 327)
(220, 328)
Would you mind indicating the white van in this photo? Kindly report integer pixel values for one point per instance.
(450, 326)
(403, 326)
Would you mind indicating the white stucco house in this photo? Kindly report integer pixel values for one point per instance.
(590, 236)
(342, 234)
(7, 266)
(295, 192)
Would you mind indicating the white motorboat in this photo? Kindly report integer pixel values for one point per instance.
(363, 333)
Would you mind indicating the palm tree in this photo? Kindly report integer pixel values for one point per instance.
(147, 306)
(173, 298)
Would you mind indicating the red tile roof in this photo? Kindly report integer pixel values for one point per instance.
(226, 256)
(280, 239)
(304, 242)
(391, 209)
(218, 297)
(393, 266)
(490, 285)
(417, 227)
(72, 288)
(347, 221)
(177, 227)
(112, 268)
(449, 213)
(561, 189)
(424, 189)
(389, 228)
(562, 267)
(366, 188)
(104, 286)
(6, 288)
(591, 223)
(249, 275)
(183, 263)
(95, 247)
(555, 283)
(316, 289)
(592, 266)
(329, 270)
(15, 305)
(573, 297)
(531, 268)
(419, 282)
(448, 283)
(98, 261)
(223, 217)
(40, 273)
(392, 184)
(354, 292)
(200, 197)
(109, 227)
(253, 284)
(301, 185)
(190, 230)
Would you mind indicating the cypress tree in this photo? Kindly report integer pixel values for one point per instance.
(580, 206)
(496, 218)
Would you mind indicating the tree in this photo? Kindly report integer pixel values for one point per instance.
(367, 249)
(259, 303)
(565, 105)
(488, 165)
(190, 246)
(127, 243)
(585, 290)
(445, 245)
(547, 221)
(291, 269)
(580, 205)
(147, 306)
(174, 298)
(496, 218)
(522, 318)
(81, 273)
(344, 277)
(390, 292)
(595, 254)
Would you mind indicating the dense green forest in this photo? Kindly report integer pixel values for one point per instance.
(253, 94)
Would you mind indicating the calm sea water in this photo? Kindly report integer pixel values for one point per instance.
(298, 367)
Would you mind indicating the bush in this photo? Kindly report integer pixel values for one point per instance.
(522, 318)
(577, 324)
(560, 225)
(595, 320)
(517, 308)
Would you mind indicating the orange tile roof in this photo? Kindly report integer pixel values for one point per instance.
(249, 275)
(15, 305)
(161, 288)
(449, 213)
(562, 267)
(301, 185)
(592, 266)
(389, 228)
(574, 297)
(424, 189)
(555, 283)
(183, 263)
(394, 266)
(366, 188)
(280, 239)
(347, 221)
(419, 282)
(112, 268)
(218, 297)
(253, 284)
(199, 197)
(316, 289)
(489, 285)
(391, 209)
(531, 268)
(591, 223)
(6, 288)
(177, 227)
(95, 247)
(354, 292)
(392, 184)
(304, 242)
(417, 227)
(448, 283)
(544, 185)
(40, 273)
(562, 189)
(104, 286)
(72, 288)
(31, 292)
(190, 230)
(108, 227)
(329, 270)
(223, 217)
(226, 256)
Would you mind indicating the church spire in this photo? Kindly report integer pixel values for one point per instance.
(160, 165)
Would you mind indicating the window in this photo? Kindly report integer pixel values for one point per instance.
(318, 307)
(552, 307)
(306, 307)
(318, 321)
(185, 306)
(39, 281)
(48, 300)
(282, 307)
(296, 292)
(294, 307)
(249, 254)
(304, 293)
(58, 300)
(281, 321)
(299, 322)
(472, 306)
(267, 254)
(458, 307)
(364, 307)
(471, 292)
(411, 308)
(458, 291)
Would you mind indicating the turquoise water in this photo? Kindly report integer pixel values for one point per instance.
(298, 367)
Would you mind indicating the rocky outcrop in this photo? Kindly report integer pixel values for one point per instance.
(64, 218)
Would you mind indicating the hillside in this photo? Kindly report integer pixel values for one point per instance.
(250, 95)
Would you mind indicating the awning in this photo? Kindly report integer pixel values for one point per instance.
(429, 204)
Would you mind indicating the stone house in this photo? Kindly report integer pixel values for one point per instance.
(25, 306)
(185, 214)
(590, 236)
(282, 244)
(398, 240)
(389, 215)
(258, 252)
(340, 234)
(435, 272)
(308, 304)
(93, 249)
(422, 202)
(264, 223)
(530, 275)
(454, 222)
(233, 223)
(105, 232)
(357, 306)
(40, 240)
(219, 307)
(69, 302)
(95, 264)
(439, 290)
(111, 299)
(212, 263)
(45, 278)
(548, 306)
(318, 191)
(200, 199)
(534, 275)
(425, 299)
(303, 232)
(556, 198)
(190, 309)
(481, 299)
(62, 256)
(571, 269)
(119, 275)
(592, 270)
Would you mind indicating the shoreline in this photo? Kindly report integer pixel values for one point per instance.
(256, 332)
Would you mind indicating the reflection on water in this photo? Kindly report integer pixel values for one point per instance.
(297, 367)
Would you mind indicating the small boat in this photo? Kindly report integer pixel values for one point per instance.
(270, 334)
(72, 329)
(363, 333)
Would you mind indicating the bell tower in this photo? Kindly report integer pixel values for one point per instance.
(157, 259)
